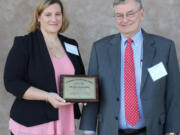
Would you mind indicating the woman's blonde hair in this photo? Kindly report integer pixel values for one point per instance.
(34, 24)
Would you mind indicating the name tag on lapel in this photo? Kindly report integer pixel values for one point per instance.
(71, 49)
(158, 71)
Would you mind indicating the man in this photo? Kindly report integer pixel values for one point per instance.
(138, 80)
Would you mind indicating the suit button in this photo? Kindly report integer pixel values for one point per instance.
(116, 118)
(117, 99)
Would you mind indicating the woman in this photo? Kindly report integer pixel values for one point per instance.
(32, 73)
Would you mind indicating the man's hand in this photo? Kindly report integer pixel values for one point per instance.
(171, 134)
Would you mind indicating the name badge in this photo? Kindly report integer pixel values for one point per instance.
(71, 49)
(158, 71)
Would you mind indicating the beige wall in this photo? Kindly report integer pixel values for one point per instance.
(90, 20)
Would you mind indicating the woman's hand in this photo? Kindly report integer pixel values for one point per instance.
(56, 101)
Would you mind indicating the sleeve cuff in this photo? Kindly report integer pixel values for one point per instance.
(89, 132)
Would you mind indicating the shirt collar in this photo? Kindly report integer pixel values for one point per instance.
(136, 38)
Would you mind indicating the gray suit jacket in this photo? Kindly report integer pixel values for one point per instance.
(160, 99)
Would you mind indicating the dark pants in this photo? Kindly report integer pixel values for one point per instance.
(12, 134)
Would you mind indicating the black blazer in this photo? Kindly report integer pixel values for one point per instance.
(29, 64)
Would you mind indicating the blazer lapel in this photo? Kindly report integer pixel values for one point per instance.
(45, 58)
(148, 55)
(44, 52)
(70, 56)
(114, 59)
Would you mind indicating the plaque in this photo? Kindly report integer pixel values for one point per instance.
(79, 88)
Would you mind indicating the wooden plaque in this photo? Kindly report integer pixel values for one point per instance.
(79, 88)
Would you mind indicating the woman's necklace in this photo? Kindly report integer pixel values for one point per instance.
(55, 48)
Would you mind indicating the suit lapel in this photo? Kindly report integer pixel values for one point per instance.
(114, 59)
(148, 55)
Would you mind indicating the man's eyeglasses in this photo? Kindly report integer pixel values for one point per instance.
(128, 15)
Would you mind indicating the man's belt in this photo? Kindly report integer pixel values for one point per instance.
(132, 131)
